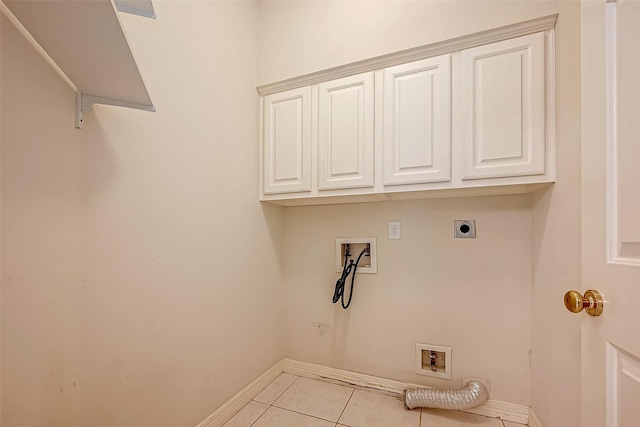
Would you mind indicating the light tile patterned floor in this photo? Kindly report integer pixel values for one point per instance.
(291, 401)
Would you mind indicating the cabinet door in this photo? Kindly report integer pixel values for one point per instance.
(503, 104)
(287, 141)
(345, 133)
(417, 122)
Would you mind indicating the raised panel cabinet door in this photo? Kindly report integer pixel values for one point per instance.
(345, 132)
(417, 122)
(503, 108)
(287, 141)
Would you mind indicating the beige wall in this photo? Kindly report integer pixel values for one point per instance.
(300, 37)
(137, 261)
(319, 36)
(555, 361)
(470, 294)
(175, 226)
(42, 241)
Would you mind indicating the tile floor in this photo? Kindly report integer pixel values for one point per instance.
(291, 401)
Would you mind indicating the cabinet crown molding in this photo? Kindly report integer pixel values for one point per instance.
(414, 54)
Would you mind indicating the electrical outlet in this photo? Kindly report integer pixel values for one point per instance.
(464, 228)
(394, 230)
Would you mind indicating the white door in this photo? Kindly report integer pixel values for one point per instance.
(611, 211)
(417, 122)
(345, 133)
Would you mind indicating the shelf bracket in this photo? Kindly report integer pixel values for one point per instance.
(84, 102)
(78, 110)
(137, 7)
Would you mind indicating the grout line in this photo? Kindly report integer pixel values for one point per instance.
(306, 415)
(274, 401)
(265, 411)
(353, 390)
(285, 390)
(278, 396)
(313, 416)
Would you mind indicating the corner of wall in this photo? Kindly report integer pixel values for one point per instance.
(557, 237)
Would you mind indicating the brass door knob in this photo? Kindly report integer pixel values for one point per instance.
(591, 302)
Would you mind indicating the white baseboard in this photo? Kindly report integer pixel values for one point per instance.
(237, 402)
(319, 372)
(491, 408)
(533, 420)
(504, 410)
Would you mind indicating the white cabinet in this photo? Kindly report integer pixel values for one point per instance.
(503, 107)
(287, 142)
(319, 138)
(473, 120)
(345, 133)
(417, 122)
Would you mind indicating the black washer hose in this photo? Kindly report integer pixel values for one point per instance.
(340, 284)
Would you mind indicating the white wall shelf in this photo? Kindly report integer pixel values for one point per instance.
(85, 42)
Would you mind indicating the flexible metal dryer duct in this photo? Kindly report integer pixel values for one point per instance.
(471, 395)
